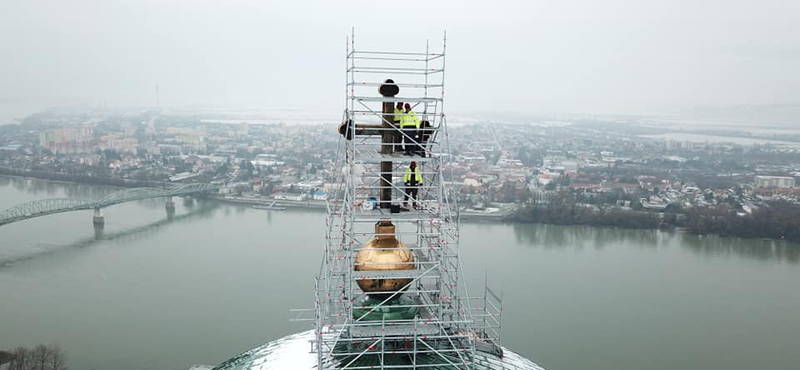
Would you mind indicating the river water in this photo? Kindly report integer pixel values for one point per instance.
(149, 292)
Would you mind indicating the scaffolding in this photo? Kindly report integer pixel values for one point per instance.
(447, 327)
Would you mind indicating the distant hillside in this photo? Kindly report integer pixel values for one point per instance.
(785, 114)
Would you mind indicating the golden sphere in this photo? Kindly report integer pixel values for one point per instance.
(384, 253)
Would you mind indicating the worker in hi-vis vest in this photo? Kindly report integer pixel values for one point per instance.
(397, 141)
(413, 181)
(409, 124)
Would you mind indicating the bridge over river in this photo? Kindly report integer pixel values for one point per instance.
(46, 207)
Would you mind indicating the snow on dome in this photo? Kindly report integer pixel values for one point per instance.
(294, 352)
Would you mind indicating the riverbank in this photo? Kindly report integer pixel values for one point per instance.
(498, 212)
(490, 214)
(698, 221)
(260, 201)
(777, 220)
(81, 179)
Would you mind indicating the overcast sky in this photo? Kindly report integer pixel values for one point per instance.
(610, 56)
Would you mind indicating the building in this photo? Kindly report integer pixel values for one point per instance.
(266, 160)
(75, 139)
(774, 182)
(118, 144)
(290, 196)
(183, 176)
(257, 184)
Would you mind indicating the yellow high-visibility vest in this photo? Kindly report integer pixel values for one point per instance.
(398, 116)
(409, 119)
(417, 175)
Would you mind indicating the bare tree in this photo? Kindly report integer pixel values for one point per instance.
(39, 356)
(20, 359)
(57, 358)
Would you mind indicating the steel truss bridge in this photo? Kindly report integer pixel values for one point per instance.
(44, 207)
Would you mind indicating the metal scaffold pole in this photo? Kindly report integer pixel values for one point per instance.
(389, 293)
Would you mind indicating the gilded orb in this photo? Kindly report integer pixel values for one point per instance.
(384, 253)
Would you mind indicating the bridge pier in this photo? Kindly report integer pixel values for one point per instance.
(98, 218)
(170, 206)
(98, 231)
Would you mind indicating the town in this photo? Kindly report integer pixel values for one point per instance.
(610, 172)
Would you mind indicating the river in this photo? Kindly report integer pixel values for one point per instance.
(150, 292)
